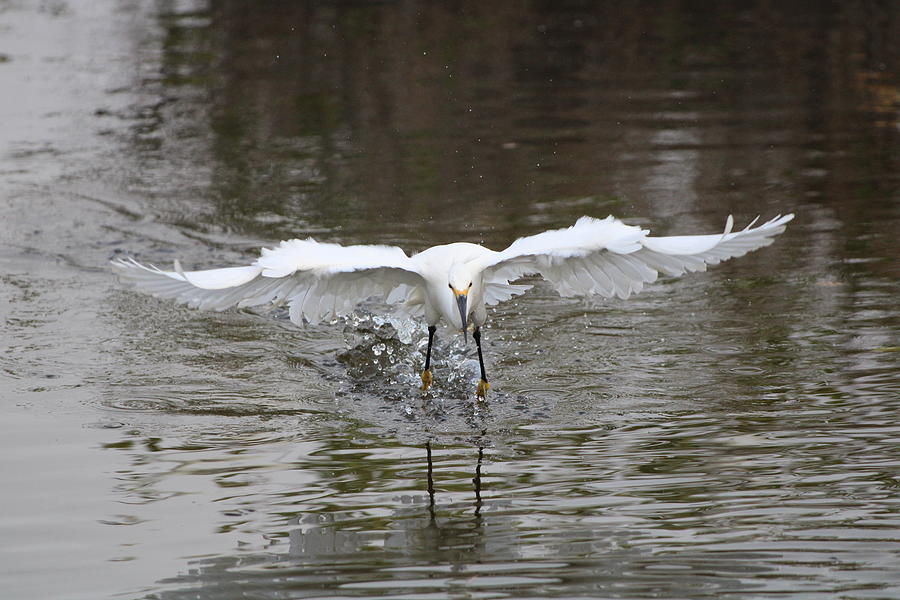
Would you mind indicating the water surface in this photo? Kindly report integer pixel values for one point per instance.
(730, 434)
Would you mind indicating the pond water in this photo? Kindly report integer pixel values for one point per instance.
(729, 434)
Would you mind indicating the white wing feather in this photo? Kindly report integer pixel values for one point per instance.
(609, 258)
(318, 281)
(499, 291)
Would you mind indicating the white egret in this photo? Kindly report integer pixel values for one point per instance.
(452, 282)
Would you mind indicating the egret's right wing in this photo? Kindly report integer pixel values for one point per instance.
(610, 258)
(318, 281)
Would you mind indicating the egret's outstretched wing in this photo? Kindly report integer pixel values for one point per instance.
(609, 258)
(318, 281)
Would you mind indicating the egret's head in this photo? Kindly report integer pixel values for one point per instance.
(460, 284)
(460, 279)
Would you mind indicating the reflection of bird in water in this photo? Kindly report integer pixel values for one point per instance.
(452, 282)
(476, 481)
(454, 535)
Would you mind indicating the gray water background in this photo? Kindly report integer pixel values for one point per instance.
(730, 434)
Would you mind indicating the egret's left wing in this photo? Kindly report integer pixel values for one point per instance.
(499, 290)
(610, 258)
(318, 281)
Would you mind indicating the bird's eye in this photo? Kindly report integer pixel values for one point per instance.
(470, 284)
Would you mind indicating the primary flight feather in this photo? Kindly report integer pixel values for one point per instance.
(452, 282)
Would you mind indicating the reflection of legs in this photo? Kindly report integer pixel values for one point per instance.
(477, 482)
(430, 480)
(426, 374)
(483, 385)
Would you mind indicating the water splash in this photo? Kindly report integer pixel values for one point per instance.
(386, 355)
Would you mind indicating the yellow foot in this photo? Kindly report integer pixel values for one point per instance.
(426, 379)
(483, 387)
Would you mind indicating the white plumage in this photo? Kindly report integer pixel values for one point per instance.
(320, 280)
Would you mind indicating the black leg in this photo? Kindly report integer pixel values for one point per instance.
(431, 331)
(426, 374)
(483, 385)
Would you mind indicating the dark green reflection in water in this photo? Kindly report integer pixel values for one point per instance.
(470, 120)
